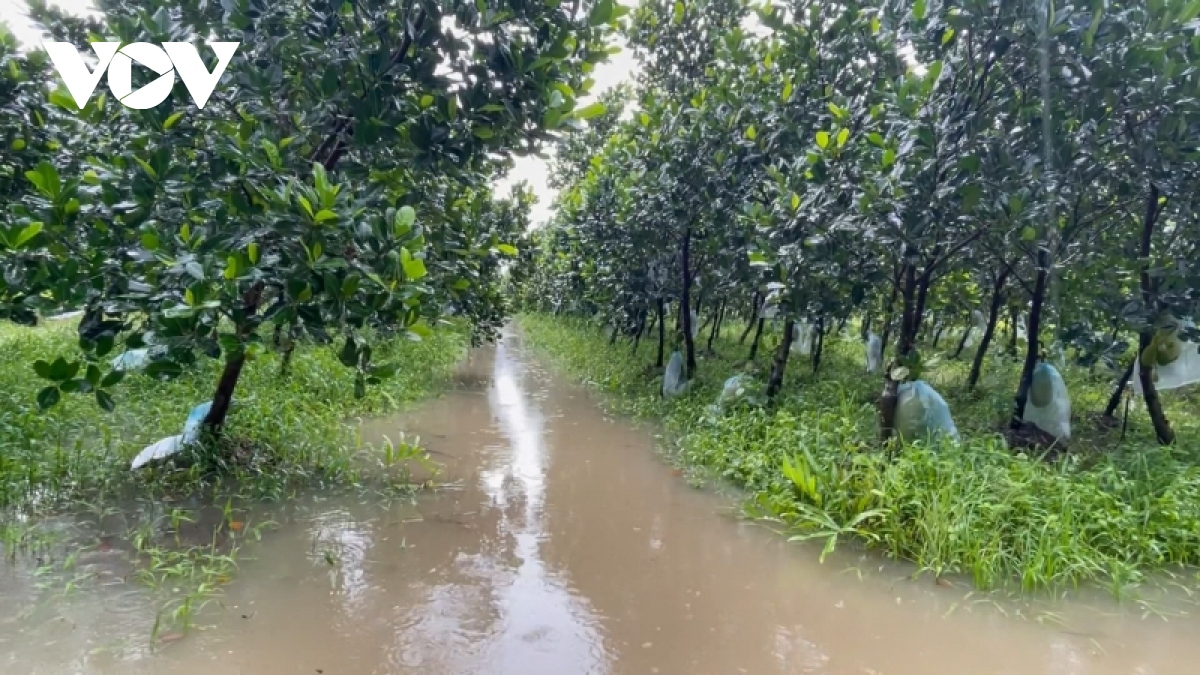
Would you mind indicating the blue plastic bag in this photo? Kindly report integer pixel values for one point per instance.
(922, 413)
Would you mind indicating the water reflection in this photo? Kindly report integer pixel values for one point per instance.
(545, 625)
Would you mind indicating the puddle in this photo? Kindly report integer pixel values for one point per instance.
(563, 545)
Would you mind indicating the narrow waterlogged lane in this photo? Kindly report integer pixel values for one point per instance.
(564, 545)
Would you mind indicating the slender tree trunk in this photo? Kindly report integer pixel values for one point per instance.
(1114, 401)
(937, 335)
(758, 331)
(685, 309)
(775, 383)
(612, 338)
(753, 318)
(1158, 418)
(820, 346)
(890, 308)
(233, 367)
(1032, 337)
(989, 330)
(1014, 315)
(962, 342)
(662, 333)
(716, 327)
(285, 364)
(891, 387)
(841, 325)
(866, 327)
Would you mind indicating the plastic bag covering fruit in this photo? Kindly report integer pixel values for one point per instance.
(732, 390)
(922, 413)
(1182, 371)
(874, 353)
(1049, 404)
(802, 338)
(673, 383)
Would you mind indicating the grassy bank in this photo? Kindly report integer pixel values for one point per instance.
(296, 426)
(1111, 512)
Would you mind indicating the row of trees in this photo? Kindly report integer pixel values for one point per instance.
(335, 186)
(906, 162)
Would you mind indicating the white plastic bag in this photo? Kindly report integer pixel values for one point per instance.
(921, 412)
(802, 338)
(673, 383)
(165, 447)
(732, 391)
(134, 359)
(1181, 372)
(874, 352)
(1049, 404)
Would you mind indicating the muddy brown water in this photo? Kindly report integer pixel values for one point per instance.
(565, 545)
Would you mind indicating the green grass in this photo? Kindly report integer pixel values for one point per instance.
(1111, 512)
(296, 425)
(70, 465)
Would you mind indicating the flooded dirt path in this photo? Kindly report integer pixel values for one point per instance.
(565, 545)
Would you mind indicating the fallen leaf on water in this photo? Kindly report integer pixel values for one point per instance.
(942, 582)
(676, 472)
(236, 525)
(171, 637)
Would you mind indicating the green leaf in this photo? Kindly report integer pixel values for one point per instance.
(931, 77)
(231, 268)
(875, 139)
(751, 132)
(173, 120)
(93, 374)
(842, 137)
(61, 370)
(507, 249)
(146, 167)
(644, 119)
(105, 400)
(112, 379)
(787, 90)
(795, 201)
(918, 12)
(889, 158)
(948, 35)
(822, 139)
(324, 215)
(48, 397)
(426, 101)
(45, 179)
(252, 253)
(414, 268)
(150, 240)
(836, 110)
(42, 368)
(601, 13)
(1028, 233)
(483, 132)
(26, 234)
(593, 110)
(405, 217)
(677, 17)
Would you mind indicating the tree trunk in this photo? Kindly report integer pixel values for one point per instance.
(1032, 337)
(757, 338)
(819, 347)
(1014, 315)
(962, 342)
(685, 309)
(753, 316)
(908, 330)
(781, 357)
(612, 338)
(662, 333)
(937, 335)
(866, 327)
(1114, 401)
(989, 330)
(891, 306)
(716, 326)
(1158, 418)
(233, 367)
